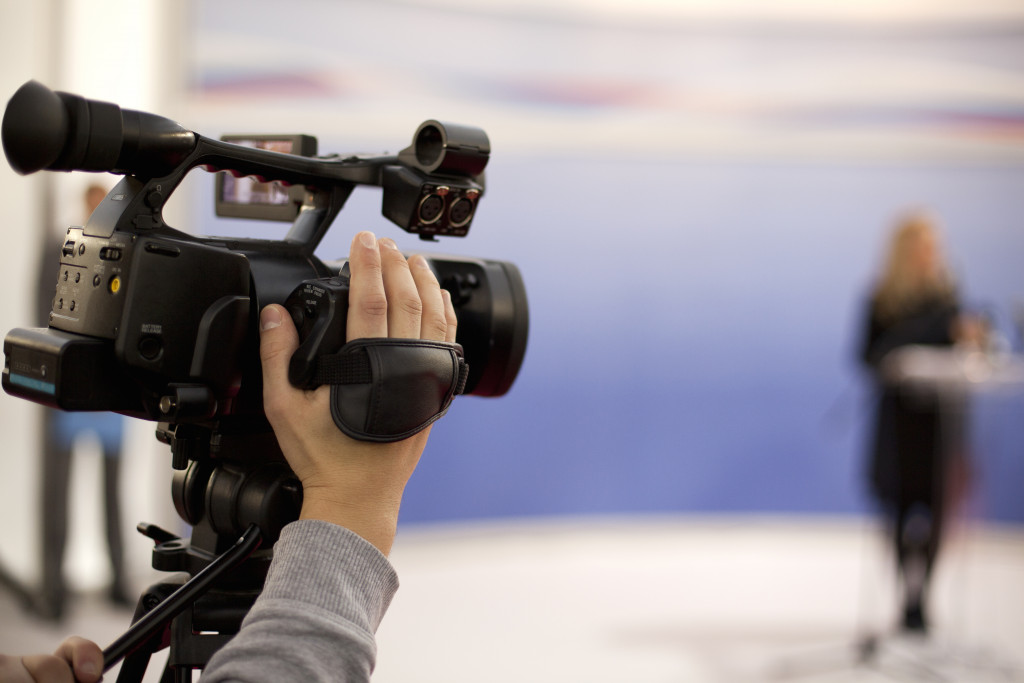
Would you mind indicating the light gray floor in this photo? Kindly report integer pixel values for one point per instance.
(665, 600)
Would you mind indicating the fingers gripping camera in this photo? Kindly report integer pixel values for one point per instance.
(382, 390)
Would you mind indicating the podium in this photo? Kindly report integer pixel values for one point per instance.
(953, 371)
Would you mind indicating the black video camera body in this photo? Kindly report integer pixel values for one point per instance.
(158, 324)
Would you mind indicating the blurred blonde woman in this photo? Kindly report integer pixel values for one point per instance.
(919, 436)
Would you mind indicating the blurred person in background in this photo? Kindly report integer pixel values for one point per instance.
(918, 459)
(60, 430)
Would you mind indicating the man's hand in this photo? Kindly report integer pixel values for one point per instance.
(351, 483)
(77, 659)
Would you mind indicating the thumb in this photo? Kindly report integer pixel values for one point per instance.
(85, 657)
(278, 341)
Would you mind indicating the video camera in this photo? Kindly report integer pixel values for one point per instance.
(154, 323)
(159, 324)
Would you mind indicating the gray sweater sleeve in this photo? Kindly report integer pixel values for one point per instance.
(326, 592)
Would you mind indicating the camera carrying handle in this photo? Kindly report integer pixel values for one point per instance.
(58, 131)
(136, 204)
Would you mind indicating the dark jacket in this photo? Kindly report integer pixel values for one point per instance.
(915, 432)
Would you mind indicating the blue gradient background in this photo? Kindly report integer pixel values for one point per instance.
(694, 316)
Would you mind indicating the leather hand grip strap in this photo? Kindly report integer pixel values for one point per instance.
(389, 389)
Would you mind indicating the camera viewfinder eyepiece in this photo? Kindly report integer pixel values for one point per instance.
(58, 131)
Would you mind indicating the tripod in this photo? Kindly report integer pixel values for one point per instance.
(234, 504)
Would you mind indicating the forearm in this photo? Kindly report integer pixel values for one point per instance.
(374, 521)
(326, 592)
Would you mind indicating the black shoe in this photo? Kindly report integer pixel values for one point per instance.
(913, 619)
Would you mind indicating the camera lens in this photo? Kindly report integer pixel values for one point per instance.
(460, 213)
(431, 208)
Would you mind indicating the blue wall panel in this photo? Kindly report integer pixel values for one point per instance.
(695, 290)
(693, 334)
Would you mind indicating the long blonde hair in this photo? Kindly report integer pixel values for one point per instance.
(905, 281)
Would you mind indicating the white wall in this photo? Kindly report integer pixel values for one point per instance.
(22, 55)
(122, 51)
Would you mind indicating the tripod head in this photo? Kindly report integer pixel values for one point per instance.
(233, 485)
(228, 475)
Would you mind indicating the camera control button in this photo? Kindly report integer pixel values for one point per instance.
(154, 199)
(110, 254)
(298, 316)
(150, 347)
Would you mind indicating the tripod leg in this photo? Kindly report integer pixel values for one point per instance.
(135, 663)
(134, 666)
(172, 675)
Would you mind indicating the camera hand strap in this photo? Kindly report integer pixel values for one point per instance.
(389, 389)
